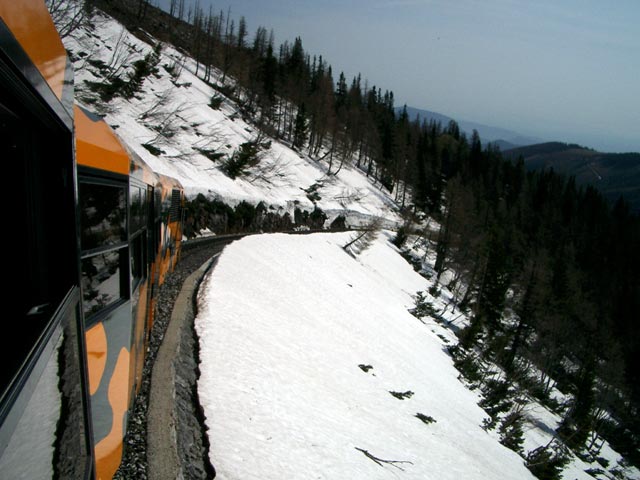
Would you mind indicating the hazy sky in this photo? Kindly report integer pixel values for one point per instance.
(558, 69)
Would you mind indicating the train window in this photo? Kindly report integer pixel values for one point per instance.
(105, 256)
(103, 215)
(134, 208)
(138, 260)
(150, 225)
(102, 280)
(138, 208)
(138, 218)
(158, 203)
(144, 208)
(157, 222)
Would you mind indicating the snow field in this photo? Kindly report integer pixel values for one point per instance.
(284, 321)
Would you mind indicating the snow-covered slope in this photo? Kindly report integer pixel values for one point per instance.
(288, 325)
(172, 113)
(281, 385)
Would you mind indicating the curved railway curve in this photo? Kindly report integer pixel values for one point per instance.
(135, 463)
(169, 440)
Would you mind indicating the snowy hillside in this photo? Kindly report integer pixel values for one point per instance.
(171, 115)
(281, 385)
(321, 372)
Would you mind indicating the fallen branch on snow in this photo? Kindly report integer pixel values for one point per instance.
(380, 461)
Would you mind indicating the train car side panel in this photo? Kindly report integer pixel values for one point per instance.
(45, 427)
(99, 231)
(103, 191)
(107, 311)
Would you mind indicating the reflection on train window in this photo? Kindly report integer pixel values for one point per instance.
(157, 220)
(48, 431)
(39, 421)
(101, 283)
(138, 213)
(135, 199)
(138, 263)
(103, 210)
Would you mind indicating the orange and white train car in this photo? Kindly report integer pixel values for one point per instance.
(94, 232)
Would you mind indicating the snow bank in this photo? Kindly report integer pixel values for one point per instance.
(284, 323)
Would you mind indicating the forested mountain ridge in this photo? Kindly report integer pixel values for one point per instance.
(613, 174)
(546, 269)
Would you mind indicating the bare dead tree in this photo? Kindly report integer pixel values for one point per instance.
(175, 67)
(157, 109)
(381, 462)
(166, 121)
(269, 172)
(121, 56)
(212, 137)
(181, 9)
(79, 66)
(349, 195)
(68, 15)
(363, 239)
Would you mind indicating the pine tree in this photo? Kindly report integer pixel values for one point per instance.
(300, 128)
(269, 76)
(577, 423)
(511, 431)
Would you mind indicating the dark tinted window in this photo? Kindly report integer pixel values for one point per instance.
(103, 221)
(138, 262)
(144, 208)
(134, 208)
(138, 201)
(157, 203)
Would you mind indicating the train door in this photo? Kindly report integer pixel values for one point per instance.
(106, 303)
(139, 203)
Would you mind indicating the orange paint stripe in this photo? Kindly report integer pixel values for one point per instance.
(109, 450)
(97, 145)
(96, 339)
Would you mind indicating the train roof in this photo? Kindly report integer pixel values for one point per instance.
(97, 145)
(31, 25)
(140, 170)
(169, 182)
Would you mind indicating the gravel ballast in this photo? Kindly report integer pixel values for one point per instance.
(190, 438)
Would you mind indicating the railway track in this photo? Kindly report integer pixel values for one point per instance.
(193, 256)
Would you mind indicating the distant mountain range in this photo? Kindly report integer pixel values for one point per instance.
(501, 137)
(614, 174)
